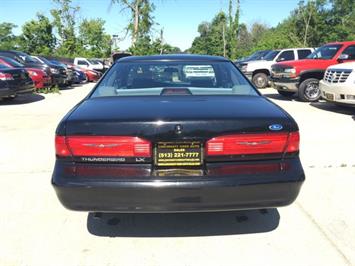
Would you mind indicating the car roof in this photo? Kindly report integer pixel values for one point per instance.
(174, 57)
(346, 43)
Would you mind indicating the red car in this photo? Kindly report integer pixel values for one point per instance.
(38, 76)
(303, 76)
(91, 75)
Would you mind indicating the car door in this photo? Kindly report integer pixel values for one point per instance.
(287, 55)
(303, 53)
(350, 52)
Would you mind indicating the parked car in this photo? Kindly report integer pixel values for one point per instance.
(91, 75)
(143, 142)
(70, 79)
(259, 71)
(58, 72)
(88, 64)
(38, 76)
(17, 79)
(6, 92)
(26, 60)
(258, 55)
(80, 76)
(303, 76)
(338, 84)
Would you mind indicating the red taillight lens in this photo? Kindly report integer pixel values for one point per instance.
(61, 147)
(6, 76)
(246, 144)
(293, 144)
(103, 146)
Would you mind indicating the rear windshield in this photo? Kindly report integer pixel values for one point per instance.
(158, 78)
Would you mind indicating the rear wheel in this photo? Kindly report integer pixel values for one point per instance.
(309, 90)
(286, 93)
(260, 80)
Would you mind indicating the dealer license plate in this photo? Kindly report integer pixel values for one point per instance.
(178, 153)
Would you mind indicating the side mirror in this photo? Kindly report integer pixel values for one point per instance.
(343, 57)
(280, 59)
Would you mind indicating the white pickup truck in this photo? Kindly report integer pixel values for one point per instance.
(88, 64)
(259, 71)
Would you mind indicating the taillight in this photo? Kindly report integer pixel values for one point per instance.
(102, 146)
(247, 144)
(6, 76)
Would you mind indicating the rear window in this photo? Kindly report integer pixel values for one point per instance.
(302, 54)
(155, 78)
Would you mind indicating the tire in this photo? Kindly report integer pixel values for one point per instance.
(260, 80)
(286, 93)
(309, 90)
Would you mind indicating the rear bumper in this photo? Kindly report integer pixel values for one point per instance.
(286, 84)
(7, 92)
(25, 88)
(222, 186)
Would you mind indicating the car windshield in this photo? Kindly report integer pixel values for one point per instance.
(26, 58)
(12, 62)
(162, 78)
(325, 52)
(271, 55)
(258, 55)
(94, 61)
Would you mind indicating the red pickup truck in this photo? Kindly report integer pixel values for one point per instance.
(303, 76)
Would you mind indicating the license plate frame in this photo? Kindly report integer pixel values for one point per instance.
(178, 153)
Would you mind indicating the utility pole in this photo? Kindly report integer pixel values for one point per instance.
(161, 41)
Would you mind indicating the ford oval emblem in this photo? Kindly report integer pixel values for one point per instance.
(276, 127)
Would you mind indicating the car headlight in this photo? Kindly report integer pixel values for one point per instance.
(54, 70)
(290, 70)
(244, 68)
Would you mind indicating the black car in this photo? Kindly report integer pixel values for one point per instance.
(58, 72)
(17, 81)
(176, 133)
(6, 92)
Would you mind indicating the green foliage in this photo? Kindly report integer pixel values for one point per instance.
(211, 39)
(8, 40)
(94, 42)
(311, 24)
(64, 22)
(37, 36)
(54, 89)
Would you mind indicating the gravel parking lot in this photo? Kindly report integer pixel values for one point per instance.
(318, 229)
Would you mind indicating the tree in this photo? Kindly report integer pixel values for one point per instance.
(233, 28)
(7, 39)
(93, 39)
(141, 18)
(37, 36)
(212, 39)
(64, 22)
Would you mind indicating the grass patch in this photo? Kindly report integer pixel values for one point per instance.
(54, 89)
